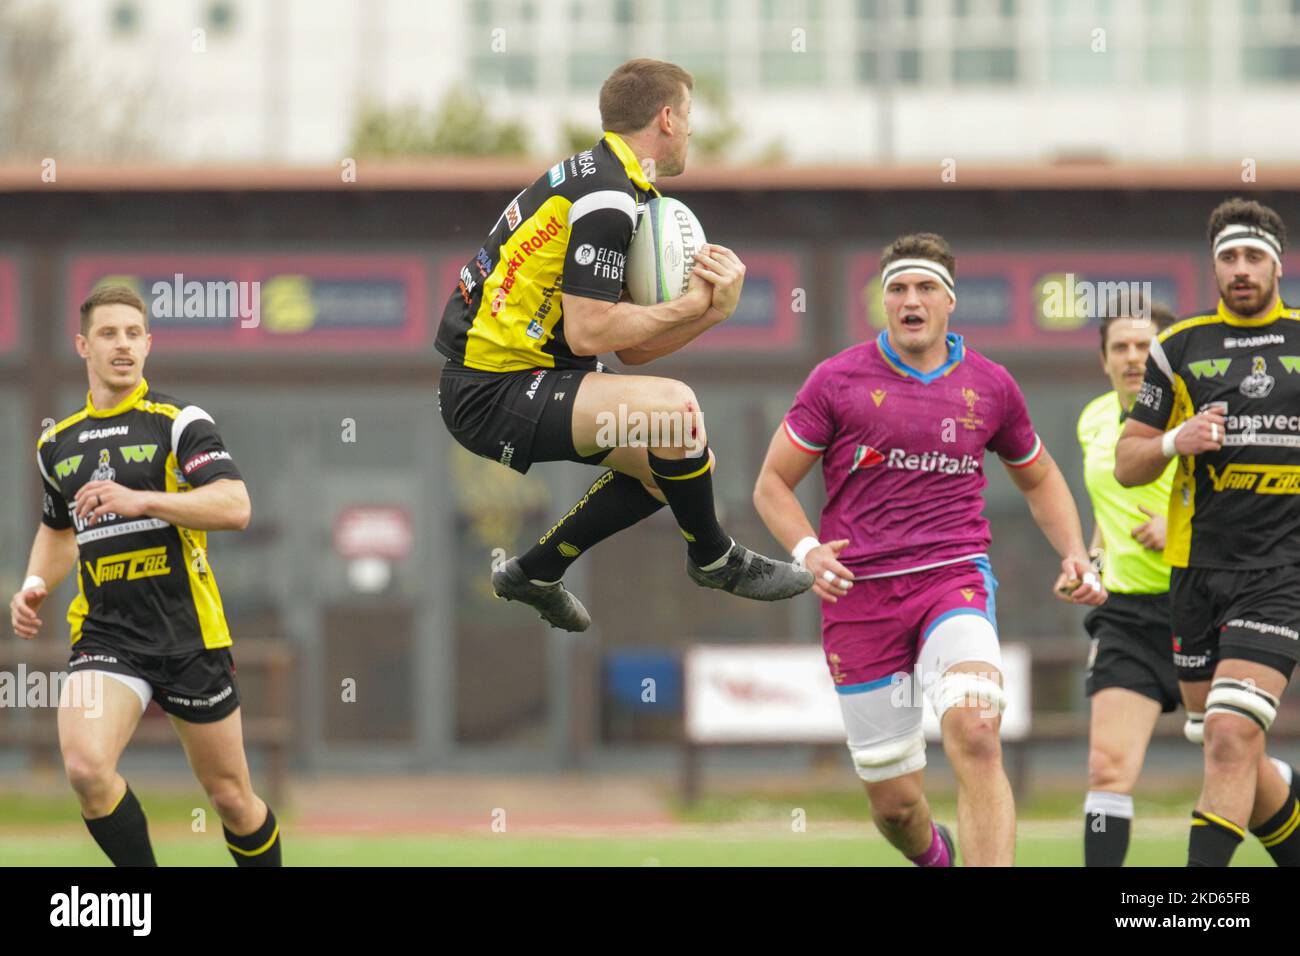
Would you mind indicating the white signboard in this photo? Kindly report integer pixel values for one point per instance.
(756, 693)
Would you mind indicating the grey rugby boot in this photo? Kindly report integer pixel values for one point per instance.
(557, 606)
(748, 574)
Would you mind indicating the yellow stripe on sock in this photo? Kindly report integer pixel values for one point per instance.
(1226, 824)
(275, 835)
(694, 474)
(1285, 830)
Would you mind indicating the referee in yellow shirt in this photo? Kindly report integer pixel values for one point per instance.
(1131, 678)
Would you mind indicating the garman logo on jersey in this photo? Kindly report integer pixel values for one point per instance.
(69, 466)
(102, 433)
(1261, 479)
(1253, 341)
(138, 453)
(129, 566)
(198, 461)
(1209, 368)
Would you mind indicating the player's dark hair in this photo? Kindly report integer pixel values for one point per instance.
(1246, 212)
(1161, 315)
(111, 295)
(636, 92)
(921, 245)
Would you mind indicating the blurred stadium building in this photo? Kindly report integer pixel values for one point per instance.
(811, 80)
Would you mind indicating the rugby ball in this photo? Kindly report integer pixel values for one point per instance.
(662, 253)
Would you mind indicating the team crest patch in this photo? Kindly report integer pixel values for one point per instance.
(513, 216)
(865, 457)
(1258, 383)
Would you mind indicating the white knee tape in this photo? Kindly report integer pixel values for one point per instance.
(960, 689)
(1194, 729)
(1231, 696)
(893, 758)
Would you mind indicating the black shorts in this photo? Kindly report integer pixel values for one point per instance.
(198, 687)
(1251, 615)
(1131, 637)
(515, 418)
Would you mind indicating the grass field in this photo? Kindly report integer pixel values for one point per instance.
(744, 830)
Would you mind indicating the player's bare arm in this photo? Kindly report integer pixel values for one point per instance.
(783, 468)
(219, 506)
(54, 555)
(726, 273)
(595, 327)
(1052, 506)
(1143, 452)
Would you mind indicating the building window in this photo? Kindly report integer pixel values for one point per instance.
(221, 17)
(984, 65)
(124, 19)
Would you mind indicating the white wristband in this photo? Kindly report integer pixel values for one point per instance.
(800, 550)
(34, 581)
(1168, 439)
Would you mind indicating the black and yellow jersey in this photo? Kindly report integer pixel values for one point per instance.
(143, 584)
(1239, 507)
(567, 232)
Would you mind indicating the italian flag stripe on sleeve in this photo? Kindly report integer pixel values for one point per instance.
(799, 443)
(1030, 458)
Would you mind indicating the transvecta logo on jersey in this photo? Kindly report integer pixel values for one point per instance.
(129, 566)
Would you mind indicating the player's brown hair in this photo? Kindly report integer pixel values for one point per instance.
(1246, 212)
(921, 245)
(111, 295)
(638, 90)
(1161, 315)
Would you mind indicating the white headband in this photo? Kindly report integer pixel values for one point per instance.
(929, 267)
(1253, 237)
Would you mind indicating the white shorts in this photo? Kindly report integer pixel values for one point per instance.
(884, 723)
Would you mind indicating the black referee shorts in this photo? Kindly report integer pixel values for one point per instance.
(198, 687)
(1130, 648)
(1251, 615)
(515, 418)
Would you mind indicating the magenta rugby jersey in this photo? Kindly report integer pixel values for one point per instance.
(903, 451)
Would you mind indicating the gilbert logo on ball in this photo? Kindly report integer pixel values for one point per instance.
(662, 253)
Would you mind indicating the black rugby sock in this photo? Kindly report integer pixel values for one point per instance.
(614, 502)
(1213, 840)
(259, 848)
(687, 483)
(1108, 819)
(1280, 834)
(123, 835)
